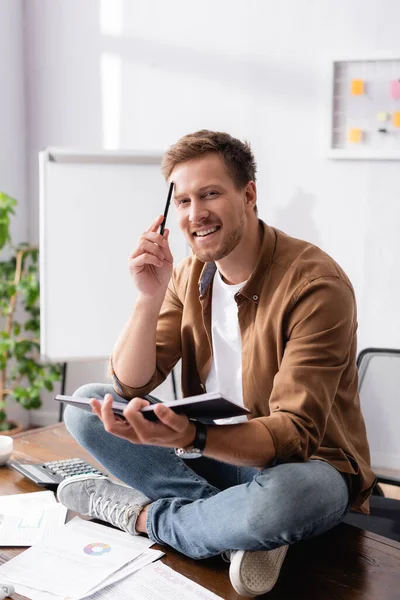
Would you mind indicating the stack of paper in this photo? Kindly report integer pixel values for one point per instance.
(27, 519)
(82, 558)
(155, 582)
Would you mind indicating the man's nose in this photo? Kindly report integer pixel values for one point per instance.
(197, 212)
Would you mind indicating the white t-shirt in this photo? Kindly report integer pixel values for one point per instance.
(226, 368)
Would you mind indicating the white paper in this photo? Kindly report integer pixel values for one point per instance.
(90, 527)
(35, 595)
(82, 555)
(32, 525)
(156, 582)
(143, 560)
(147, 557)
(17, 502)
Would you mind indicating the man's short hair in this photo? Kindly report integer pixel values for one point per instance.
(237, 155)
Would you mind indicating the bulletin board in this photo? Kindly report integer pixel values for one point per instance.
(365, 109)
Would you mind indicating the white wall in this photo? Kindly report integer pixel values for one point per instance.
(141, 74)
(12, 129)
(12, 112)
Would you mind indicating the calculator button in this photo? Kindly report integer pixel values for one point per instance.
(70, 467)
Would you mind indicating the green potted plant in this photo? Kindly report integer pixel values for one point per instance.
(23, 376)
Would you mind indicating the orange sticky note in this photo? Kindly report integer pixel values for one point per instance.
(357, 87)
(355, 136)
(396, 119)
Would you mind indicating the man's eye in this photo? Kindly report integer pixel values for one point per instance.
(211, 193)
(184, 201)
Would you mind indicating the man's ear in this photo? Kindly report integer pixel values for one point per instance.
(251, 194)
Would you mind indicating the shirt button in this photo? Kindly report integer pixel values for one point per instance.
(255, 297)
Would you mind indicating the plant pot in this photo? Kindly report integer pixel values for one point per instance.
(16, 428)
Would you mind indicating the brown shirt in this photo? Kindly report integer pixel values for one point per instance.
(298, 323)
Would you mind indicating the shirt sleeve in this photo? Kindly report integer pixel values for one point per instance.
(169, 348)
(321, 328)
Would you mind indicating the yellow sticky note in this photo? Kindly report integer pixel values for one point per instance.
(396, 119)
(382, 116)
(355, 136)
(357, 87)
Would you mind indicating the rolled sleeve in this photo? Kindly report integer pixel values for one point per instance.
(321, 328)
(126, 391)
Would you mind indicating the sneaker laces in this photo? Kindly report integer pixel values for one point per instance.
(114, 513)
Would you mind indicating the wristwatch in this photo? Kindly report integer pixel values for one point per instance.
(195, 450)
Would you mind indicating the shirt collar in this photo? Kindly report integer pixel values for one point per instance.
(252, 289)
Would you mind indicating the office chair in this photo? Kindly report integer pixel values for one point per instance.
(379, 388)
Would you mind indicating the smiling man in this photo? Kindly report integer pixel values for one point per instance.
(266, 319)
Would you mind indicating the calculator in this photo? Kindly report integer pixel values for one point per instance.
(50, 474)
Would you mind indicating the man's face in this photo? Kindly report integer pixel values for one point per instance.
(211, 210)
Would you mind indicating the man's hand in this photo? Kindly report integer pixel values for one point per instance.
(171, 430)
(151, 262)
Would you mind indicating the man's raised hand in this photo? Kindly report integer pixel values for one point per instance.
(151, 262)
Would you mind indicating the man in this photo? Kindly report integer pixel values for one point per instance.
(266, 319)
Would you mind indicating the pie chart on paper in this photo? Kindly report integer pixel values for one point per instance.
(97, 549)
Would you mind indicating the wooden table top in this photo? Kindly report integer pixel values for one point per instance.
(343, 564)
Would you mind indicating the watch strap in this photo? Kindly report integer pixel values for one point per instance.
(200, 439)
(196, 448)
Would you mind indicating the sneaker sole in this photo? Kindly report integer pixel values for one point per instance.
(256, 573)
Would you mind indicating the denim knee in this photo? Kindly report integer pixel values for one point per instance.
(81, 423)
(93, 390)
(301, 502)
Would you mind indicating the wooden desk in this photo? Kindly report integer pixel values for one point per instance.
(344, 564)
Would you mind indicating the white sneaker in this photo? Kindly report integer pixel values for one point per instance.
(255, 573)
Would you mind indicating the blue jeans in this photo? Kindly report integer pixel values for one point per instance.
(203, 507)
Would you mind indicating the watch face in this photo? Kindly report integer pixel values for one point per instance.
(192, 453)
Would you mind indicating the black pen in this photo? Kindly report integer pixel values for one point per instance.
(171, 187)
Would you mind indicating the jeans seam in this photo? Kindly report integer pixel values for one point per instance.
(239, 475)
(149, 526)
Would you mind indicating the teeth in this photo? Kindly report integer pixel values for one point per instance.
(206, 232)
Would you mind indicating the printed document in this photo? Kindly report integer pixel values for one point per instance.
(155, 582)
(144, 559)
(16, 502)
(80, 557)
(27, 519)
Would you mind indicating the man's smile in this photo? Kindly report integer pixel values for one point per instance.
(206, 232)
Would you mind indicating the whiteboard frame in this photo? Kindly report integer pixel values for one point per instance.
(339, 153)
(66, 155)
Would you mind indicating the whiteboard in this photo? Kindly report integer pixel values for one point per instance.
(93, 208)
